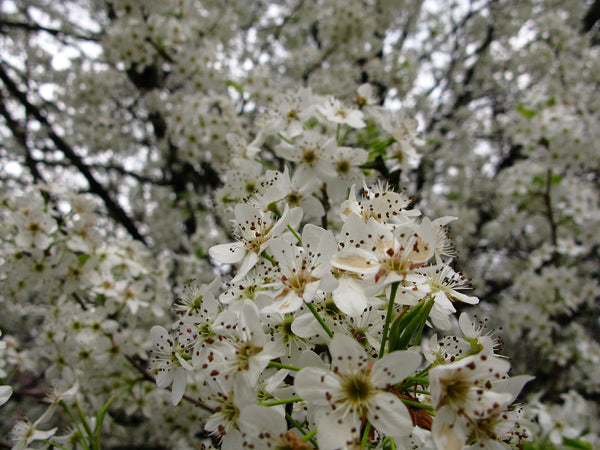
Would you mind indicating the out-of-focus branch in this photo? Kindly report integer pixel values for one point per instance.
(115, 210)
(591, 17)
(20, 136)
(6, 25)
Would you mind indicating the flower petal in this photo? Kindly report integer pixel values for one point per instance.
(390, 416)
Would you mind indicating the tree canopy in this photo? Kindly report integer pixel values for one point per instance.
(204, 205)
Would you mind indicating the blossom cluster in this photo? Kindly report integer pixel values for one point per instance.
(329, 321)
(234, 149)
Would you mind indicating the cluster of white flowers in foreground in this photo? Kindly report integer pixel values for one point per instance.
(330, 325)
(316, 340)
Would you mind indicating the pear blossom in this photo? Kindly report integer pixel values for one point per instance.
(441, 282)
(469, 396)
(169, 362)
(355, 389)
(373, 249)
(335, 112)
(301, 271)
(256, 229)
(244, 353)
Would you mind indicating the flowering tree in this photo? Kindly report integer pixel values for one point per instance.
(227, 224)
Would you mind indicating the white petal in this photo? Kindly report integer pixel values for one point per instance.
(466, 326)
(346, 353)
(313, 383)
(448, 432)
(260, 420)
(38, 435)
(287, 304)
(349, 297)
(179, 383)
(228, 253)
(164, 378)
(356, 260)
(5, 393)
(159, 335)
(390, 416)
(306, 326)
(248, 263)
(471, 300)
(512, 385)
(394, 367)
(335, 430)
(186, 365)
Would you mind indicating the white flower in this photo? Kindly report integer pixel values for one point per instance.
(24, 432)
(169, 362)
(333, 111)
(246, 353)
(34, 229)
(264, 427)
(469, 396)
(441, 284)
(379, 202)
(256, 229)
(195, 296)
(355, 389)
(466, 385)
(373, 249)
(301, 270)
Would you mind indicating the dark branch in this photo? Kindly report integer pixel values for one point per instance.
(96, 188)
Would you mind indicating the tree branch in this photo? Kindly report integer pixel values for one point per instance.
(114, 209)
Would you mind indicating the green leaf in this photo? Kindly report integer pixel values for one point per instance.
(99, 420)
(235, 85)
(577, 443)
(528, 113)
(82, 258)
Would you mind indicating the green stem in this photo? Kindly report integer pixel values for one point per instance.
(365, 436)
(72, 417)
(423, 319)
(266, 164)
(282, 402)
(309, 436)
(53, 444)
(269, 258)
(281, 136)
(84, 421)
(417, 404)
(388, 318)
(418, 380)
(295, 424)
(340, 143)
(392, 443)
(283, 366)
(300, 428)
(295, 233)
(96, 444)
(315, 313)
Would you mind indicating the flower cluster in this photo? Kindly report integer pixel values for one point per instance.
(329, 321)
(251, 153)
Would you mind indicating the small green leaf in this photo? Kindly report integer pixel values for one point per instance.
(528, 113)
(235, 85)
(82, 259)
(577, 443)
